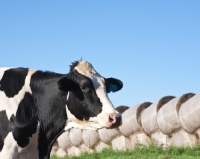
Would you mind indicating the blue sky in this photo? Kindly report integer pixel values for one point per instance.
(152, 46)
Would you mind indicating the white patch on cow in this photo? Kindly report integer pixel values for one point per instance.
(11, 104)
(11, 150)
(87, 69)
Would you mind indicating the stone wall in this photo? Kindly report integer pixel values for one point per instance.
(169, 121)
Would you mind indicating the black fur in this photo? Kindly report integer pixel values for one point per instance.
(13, 80)
(50, 103)
(5, 128)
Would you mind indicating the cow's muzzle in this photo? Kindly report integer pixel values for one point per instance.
(114, 120)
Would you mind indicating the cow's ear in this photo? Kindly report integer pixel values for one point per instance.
(113, 85)
(66, 85)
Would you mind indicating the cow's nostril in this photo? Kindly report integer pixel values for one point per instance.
(116, 120)
(112, 119)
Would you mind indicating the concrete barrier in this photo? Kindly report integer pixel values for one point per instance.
(169, 121)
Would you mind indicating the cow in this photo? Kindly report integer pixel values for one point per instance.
(37, 106)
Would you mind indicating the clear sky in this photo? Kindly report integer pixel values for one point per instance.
(152, 46)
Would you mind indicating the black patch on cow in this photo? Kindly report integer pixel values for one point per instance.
(83, 101)
(50, 102)
(24, 124)
(13, 80)
(66, 85)
(4, 127)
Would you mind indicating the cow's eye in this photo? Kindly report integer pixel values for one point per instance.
(84, 88)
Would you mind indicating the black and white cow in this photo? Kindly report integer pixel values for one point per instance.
(36, 107)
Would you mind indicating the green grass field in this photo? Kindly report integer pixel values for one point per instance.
(144, 152)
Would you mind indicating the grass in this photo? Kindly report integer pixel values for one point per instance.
(143, 152)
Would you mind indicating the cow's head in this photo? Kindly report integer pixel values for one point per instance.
(88, 105)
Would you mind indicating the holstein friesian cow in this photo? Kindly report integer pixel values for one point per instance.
(36, 107)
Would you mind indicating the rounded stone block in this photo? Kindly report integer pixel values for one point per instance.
(140, 138)
(198, 134)
(64, 141)
(73, 151)
(121, 143)
(75, 136)
(122, 108)
(85, 148)
(149, 115)
(160, 139)
(61, 153)
(100, 146)
(54, 149)
(106, 135)
(130, 123)
(167, 118)
(182, 138)
(90, 137)
(189, 114)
